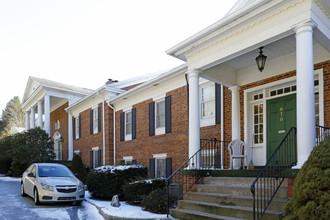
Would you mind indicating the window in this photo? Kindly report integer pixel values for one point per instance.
(160, 117)
(95, 157)
(77, 127)
(95, 120)
(57, 125)
(128, 160)
(208, 101)
(128, 125)
(160, 166)
(258, 125)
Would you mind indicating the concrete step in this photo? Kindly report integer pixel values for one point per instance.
(234, 200)
(245, 181)
(196, 215)
(237, 190)
(226, 210)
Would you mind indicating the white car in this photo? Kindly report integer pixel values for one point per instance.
(51, 182)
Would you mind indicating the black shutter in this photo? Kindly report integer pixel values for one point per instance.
(74, 127)
(133, 123)
(168, 167)
(91, 121)
(91, 159)
(152, 168)
(151, 118)
(79, 118)
(168, 114)
(122, 126)
(133, 162)
(122, 162)
(99, 118)
(99, 156)
(217, 103)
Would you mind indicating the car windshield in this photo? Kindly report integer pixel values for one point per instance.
(54, 171)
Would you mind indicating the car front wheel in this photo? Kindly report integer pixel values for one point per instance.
(36, 197)
(22, 190)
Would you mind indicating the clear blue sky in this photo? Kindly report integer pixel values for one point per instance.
(84, 43)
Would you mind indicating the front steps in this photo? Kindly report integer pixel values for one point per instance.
(226, 198)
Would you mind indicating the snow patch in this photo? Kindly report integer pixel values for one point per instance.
(52, 214)
(91, 213)
(149, 181)
(112, 169)
(9, 179)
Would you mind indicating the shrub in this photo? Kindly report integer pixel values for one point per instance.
(5, 157)
(135, 191)
(106, 181)
(156, 201)
(77, 167)
(311, 198)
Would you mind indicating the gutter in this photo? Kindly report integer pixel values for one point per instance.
(103, 125)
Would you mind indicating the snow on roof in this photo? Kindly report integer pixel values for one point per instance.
(238, 5)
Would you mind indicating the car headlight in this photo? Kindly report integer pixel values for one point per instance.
(81, 186)
(47, 187)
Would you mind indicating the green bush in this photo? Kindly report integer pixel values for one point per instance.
(135, 191)
(156, 201)
(5, 157)
(106, 181)
(77, 167)
(311, 198)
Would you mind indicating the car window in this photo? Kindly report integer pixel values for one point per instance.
(54, 171)
(34, 170)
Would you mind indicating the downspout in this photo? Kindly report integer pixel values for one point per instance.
(103, 126)
(222, 129)
(114, 133)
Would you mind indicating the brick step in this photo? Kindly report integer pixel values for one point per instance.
(242, 181)
(196, 215)
(226, 210)
(233, 200)
(237, 190)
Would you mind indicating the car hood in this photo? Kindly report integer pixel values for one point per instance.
(62, 181)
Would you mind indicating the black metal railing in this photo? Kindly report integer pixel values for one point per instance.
(270, 178)
(190, 172)
(321, 133)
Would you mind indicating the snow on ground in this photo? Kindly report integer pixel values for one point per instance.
(91, 213)
(51, 213)
(124, 211)
(7, 178)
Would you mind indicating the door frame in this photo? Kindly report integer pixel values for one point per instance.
(259, 151)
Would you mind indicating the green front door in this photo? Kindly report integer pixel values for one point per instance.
(281, 116)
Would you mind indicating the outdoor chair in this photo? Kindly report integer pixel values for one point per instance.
(236, 149)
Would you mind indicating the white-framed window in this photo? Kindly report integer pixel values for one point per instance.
(57, 125)
(95, 120)
(160, 165)
(207, 104)
(128, 160)
(95, 157)
(77, 119)
(128, 125)
(160, 117)
(258, 123)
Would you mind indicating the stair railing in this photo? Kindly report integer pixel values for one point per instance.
(270, 178)
(321, 133)
(191, 171)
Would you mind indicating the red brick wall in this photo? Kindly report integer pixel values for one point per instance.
(61, 115)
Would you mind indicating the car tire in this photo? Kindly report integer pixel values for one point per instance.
(36, 197)
(22, 190)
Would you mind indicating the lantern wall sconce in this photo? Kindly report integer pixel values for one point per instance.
(261, 60)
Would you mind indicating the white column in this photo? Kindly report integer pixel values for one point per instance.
(70, 153)
(33, 119)
(194, 115)
(47, 113)
(40, 114)
(27, 120)
(305, 92)
(235, 120)
(235, 113)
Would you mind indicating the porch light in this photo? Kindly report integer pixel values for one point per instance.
(261, 60)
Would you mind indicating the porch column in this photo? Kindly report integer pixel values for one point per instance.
(194, 115)
(235, 113)
(47, 114)
(33, 119)
(306, 133)
(70, 153)
(27, 120)
(40, 114)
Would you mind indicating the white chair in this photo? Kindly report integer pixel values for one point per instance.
(236, 149)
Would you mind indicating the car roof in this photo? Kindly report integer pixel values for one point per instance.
(49, 164)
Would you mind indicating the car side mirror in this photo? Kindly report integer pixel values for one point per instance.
(31, 175)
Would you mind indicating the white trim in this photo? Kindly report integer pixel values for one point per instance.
(160, 130)
(160, 156)
(159, 98)
(210, 120)
(95, 148)
(127, 109)
(128, 137)
(128, 158)
(77, 151)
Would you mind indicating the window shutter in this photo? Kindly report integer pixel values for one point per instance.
(133, 162)
(91, 159)
(168, 114)
(99, 156)
(122, 126)
(168, 167)
(99, 118)
(151, 118)
(73, 128)
(217, 103)
(91, 121)
(152, 168)
(79, 118)
(122, 162)
(134, 123)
